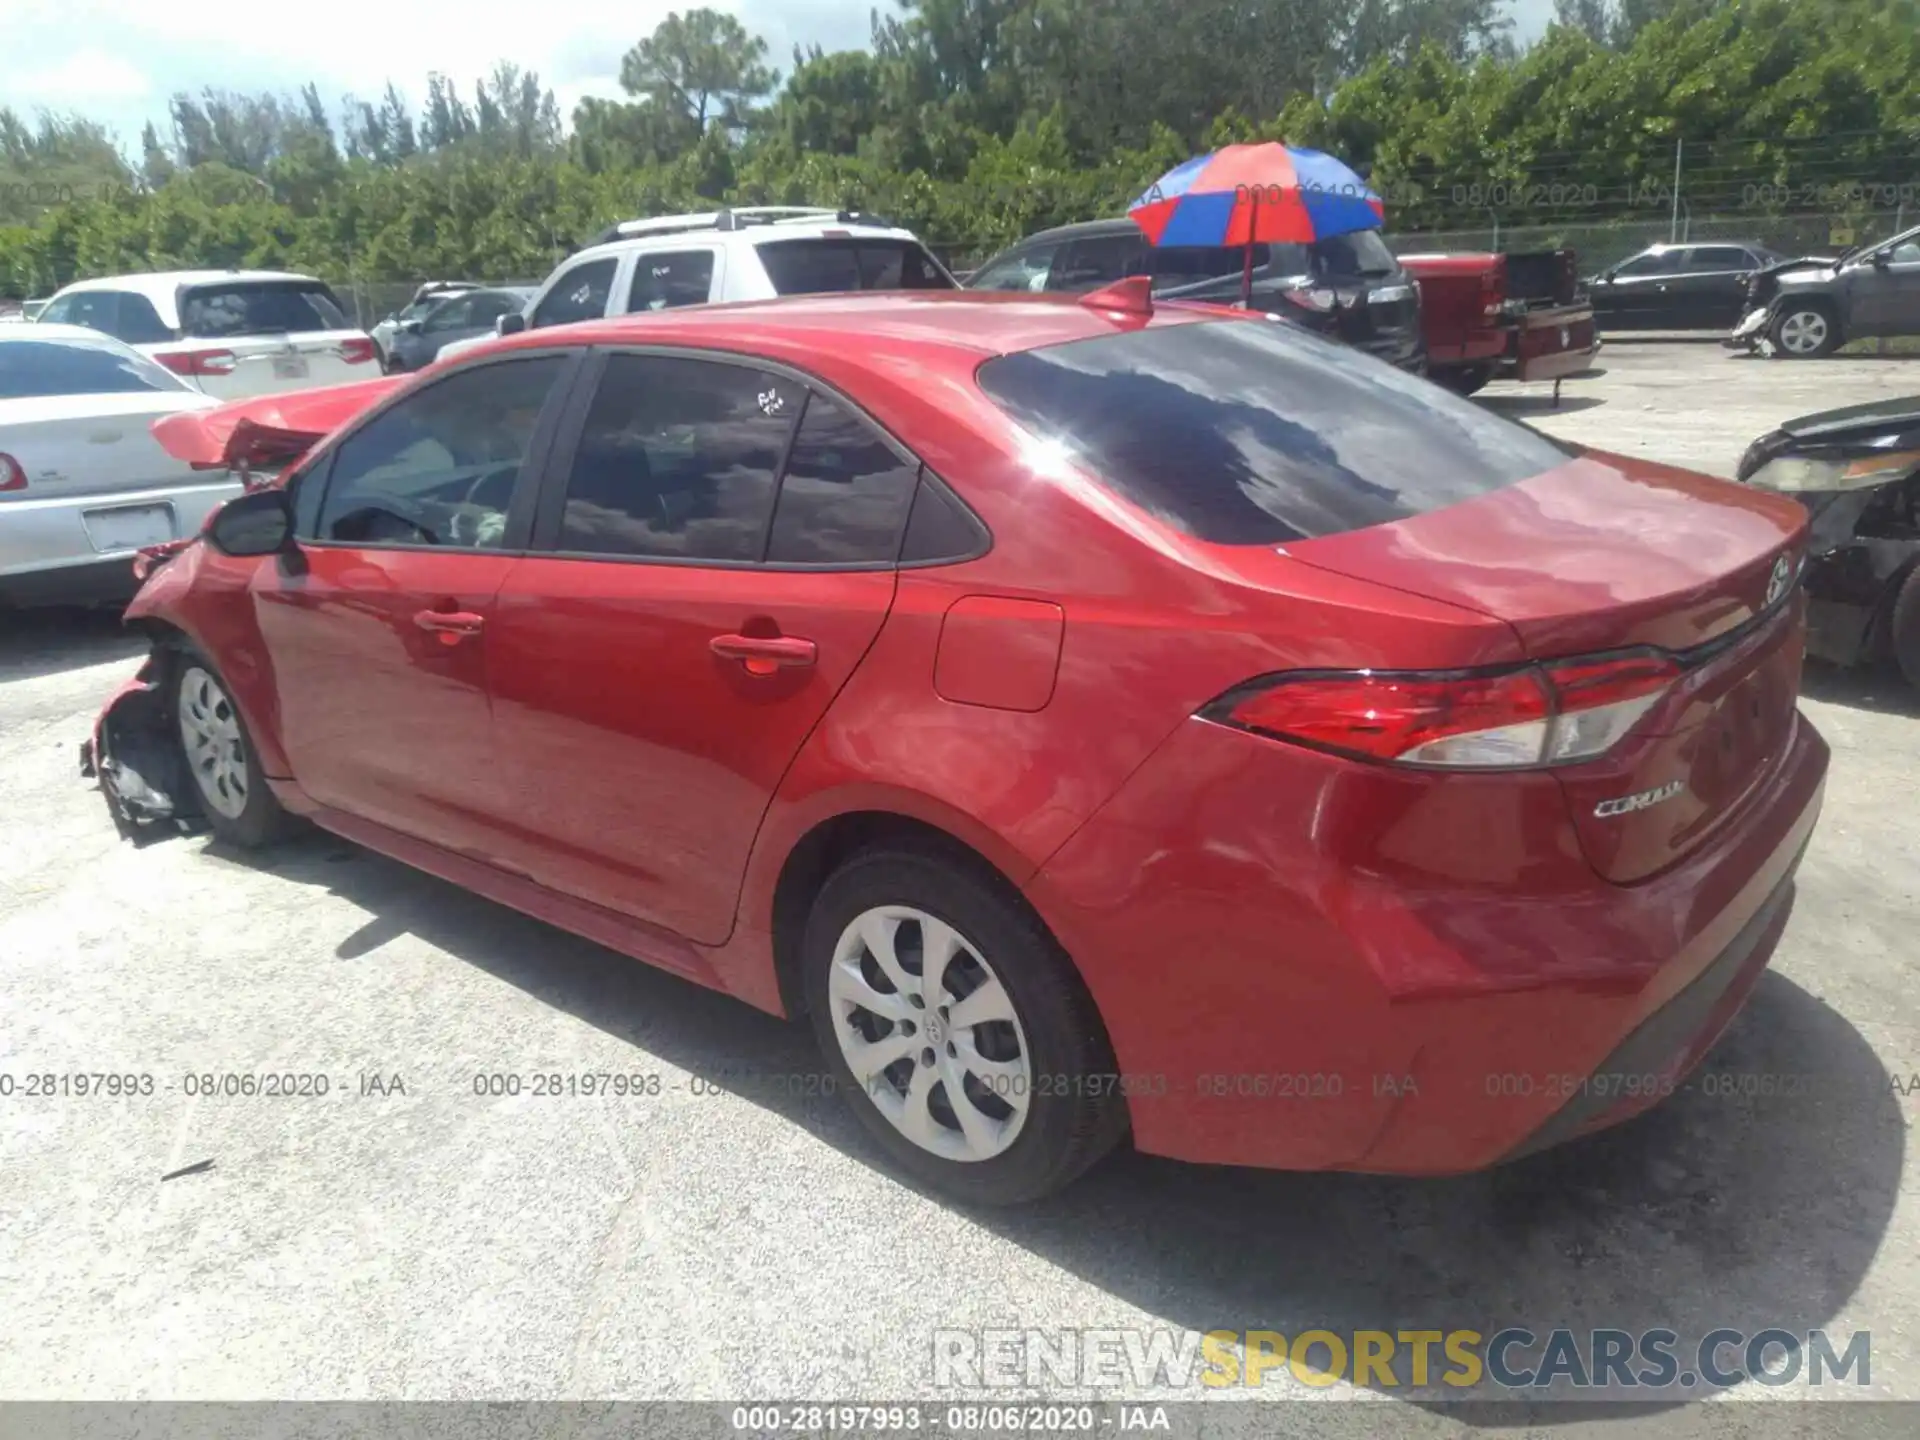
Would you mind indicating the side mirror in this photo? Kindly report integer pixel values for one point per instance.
(1880, 260)
(412, 327)
(259, 522)
(511, 324)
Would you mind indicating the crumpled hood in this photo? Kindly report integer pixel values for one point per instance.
(267, 429)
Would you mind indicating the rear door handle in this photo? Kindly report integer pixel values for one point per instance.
(450, 625)
(764, 654)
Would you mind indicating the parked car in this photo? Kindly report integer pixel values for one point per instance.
(83, 483)
(1857, 472)
(425, 297)
(228, 333)
(751, 253)
(1809, 307)
(1517, 317)
(461, 316)
(1078, 708)
(1696, 286)
(1349, 287)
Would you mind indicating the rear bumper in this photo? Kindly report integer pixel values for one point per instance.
(47, 556)
(1552, 344)
(1305, 963)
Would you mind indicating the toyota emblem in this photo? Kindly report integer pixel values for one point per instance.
(1778, 581)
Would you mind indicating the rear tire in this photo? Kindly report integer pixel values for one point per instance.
(220, 756)
(1904, 628)
(1805, 330)
(957, 1028)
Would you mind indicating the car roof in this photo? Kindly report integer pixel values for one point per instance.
(166, 283)
(62, 334)
(749, 235)
(945, 331)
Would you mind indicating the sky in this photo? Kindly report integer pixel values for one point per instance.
(118, 60)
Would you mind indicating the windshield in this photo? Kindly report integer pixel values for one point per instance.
(830, 264)
(1361, 253)
(37, 368)
(270, 307)
(1248, 433)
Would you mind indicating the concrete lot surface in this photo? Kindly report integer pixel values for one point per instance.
(729, 1237)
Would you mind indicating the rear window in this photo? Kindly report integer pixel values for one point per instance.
(824, 266)
(37, 368)
(1247, 433)
(260, 308)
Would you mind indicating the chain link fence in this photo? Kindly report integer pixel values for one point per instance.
(1607, 242)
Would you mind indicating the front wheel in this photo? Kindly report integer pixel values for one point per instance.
(1905, 628)
(957, 1029)
(233, 792)
(1804, 331)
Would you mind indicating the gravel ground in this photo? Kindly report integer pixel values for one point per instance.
(403, 1237)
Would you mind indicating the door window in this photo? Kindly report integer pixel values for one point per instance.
(489, 308)
(440, 467)
(1663, 262)
(580, 294)
(91, 308)
(677, 460)
(845, 494)
(453, 315)
(1023, 270)
(1905, 253)
(138, 323)
(1712, 258)
(1099, 260)
(668, 281)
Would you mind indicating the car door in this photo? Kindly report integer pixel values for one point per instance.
(1634, 296)
(1705, 293)
(376, 625)
(582, 291)
(713, 555)
(1884, 298)
(668, 279)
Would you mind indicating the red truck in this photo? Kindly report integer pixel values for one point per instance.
(1509, 317)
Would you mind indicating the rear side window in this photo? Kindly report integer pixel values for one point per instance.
(37, 368)
(1249, 433)
(677, 460)
(666, 282)
(1719, 257)
(260, 308)
(845, 495)
(832, 264)
(139, 323)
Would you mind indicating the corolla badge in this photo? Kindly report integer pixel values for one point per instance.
(1643, 800)
(1779, 580)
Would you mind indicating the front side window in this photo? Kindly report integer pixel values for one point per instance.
(260, 307)
(439, 468)
(1248, 432)
(580, 294)
(845, 494)
(1099, 260)
(449, 315)
(1361, 254)
(1652, 263)
(38, 368)
(677, 460)
(1709, 259)
(1023, 270)
(91, 308)
(668, 281)
(1907, 252)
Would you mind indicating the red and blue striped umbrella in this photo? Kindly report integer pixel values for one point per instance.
(1249, 194)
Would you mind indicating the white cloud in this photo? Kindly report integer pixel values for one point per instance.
(86, 75)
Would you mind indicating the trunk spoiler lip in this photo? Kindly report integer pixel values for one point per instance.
(272, 429)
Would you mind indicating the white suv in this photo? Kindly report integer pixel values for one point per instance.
(755, 253)
(230, 333)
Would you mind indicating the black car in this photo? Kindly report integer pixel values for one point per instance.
(1678, 287)
(1857, 472)
(417, 340)
(1349, 287)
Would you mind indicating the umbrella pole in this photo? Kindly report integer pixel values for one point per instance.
(1246, 273)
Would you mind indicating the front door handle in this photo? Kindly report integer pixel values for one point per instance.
(450, 625)
(764, 654)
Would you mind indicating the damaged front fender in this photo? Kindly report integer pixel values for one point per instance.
(136, 760)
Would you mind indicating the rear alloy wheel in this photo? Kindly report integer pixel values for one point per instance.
(958, 1030)
(1804, 331)
(233, 793)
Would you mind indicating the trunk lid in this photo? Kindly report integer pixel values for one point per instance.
(1607, 554)
(92, 444)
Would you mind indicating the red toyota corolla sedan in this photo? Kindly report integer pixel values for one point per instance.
(1096, 718)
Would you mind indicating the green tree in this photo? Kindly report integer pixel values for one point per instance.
(703, 64)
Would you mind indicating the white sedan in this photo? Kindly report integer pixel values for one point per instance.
(84, 486)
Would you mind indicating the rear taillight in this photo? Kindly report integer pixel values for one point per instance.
(1493, 286)
(197, 362)
(358, 352)
(12, 477)
(1552, 714)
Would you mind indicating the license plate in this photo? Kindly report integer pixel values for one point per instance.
(289, 367)
(129, 527)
